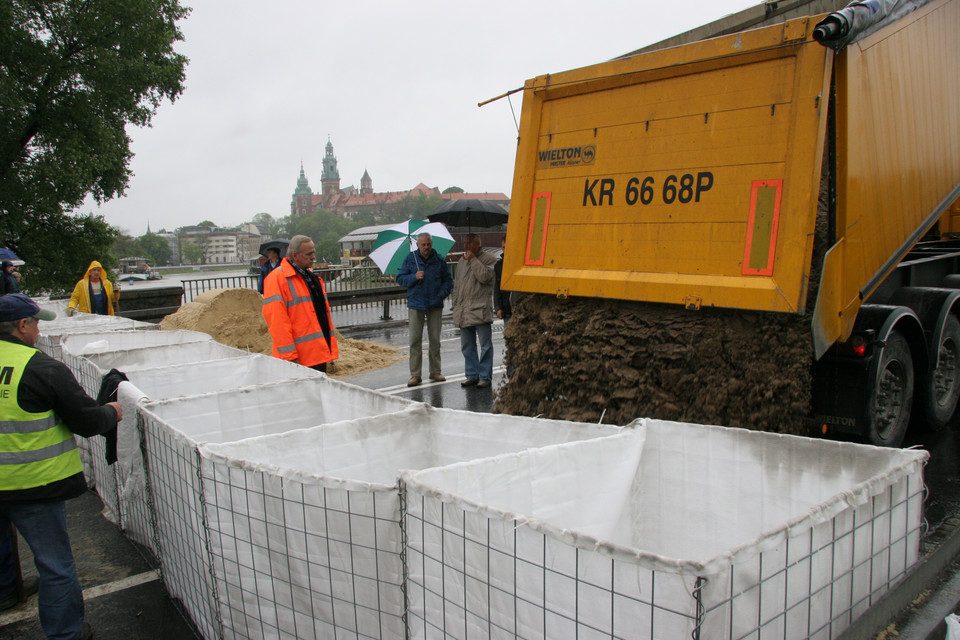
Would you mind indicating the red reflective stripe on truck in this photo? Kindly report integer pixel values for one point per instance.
(537, 232)
(762, 227)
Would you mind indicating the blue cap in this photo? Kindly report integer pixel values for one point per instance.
(16, 306)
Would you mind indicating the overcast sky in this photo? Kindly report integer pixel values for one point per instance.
(395, 86)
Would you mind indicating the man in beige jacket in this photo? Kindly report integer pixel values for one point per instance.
(473, 311)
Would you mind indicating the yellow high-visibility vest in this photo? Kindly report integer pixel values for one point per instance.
(35, 449)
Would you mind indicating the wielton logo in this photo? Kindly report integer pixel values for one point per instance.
(566, 157)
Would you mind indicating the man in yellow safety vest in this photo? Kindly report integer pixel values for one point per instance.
(41, 408)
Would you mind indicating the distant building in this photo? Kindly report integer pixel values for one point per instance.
(235, 245)
(171, 239)
(348, 201)
(359, 243)
(249, 238)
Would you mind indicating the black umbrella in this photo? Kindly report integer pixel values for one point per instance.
(469, 212)
(279, 244)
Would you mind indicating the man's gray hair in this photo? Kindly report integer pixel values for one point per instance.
(9, 326)
(296, 242)
(424, 235)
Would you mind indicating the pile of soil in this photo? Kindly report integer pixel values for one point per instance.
(580, 359)
(231, 316)
(234, 317)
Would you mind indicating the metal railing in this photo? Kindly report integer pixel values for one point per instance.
(348, 288)
(193, 288)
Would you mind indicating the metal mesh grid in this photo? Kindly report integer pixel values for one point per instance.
(473, 576)
(105, 478)
(174, 490)
(295, 560)
(816, 583)
(252, 555)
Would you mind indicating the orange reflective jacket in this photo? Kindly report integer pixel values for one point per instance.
(292, 318)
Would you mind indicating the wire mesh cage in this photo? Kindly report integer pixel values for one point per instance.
(305, 526)
(75, 348)
(93, 366)
(165, 382)
(52, 333)
(147, 348)
(702, 532)
(270, 495)
(171, 433)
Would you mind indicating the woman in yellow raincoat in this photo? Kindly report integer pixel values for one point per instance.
(94, 293)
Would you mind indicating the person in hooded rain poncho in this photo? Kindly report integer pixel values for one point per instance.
(94, 293)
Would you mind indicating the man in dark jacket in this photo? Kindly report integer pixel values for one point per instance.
(427, 279)
(271, 263)
(41, 407)
(9, 279)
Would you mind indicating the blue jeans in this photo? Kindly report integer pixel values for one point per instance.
(8, 570)
(44, 527)
(477, 368)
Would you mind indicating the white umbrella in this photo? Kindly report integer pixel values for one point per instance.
(393, 245)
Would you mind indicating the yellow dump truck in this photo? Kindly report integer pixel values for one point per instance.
(767, 172)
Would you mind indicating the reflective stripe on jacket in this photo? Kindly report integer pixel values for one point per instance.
(292, 318)
(35, 449)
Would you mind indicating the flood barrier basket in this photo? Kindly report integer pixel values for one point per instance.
(698, 532)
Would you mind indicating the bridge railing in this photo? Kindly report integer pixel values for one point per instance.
(348, 288)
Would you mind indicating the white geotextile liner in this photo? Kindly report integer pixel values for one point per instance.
(210, 376)
(275, 407)
(372, 450)
(93, 366)
(52, 331)
(753, 520)
(174, 428)
(305, 525)
(103, 342)
(159, 383)
(74, 346)
(51, 334)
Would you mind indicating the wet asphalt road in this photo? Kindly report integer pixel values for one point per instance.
(449, 394)
(126, 600)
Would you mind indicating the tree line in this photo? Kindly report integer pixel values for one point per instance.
(323, 227)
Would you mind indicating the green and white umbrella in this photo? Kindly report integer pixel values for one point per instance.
(393, 245)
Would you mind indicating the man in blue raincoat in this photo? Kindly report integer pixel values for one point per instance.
(425, 275)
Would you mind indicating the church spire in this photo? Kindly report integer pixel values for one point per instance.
(303, 187)
(330, 178)
(302, 196)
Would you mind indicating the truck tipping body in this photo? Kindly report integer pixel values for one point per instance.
(759, 171)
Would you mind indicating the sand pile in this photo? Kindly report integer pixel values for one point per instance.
(233, 317)
(577, 359)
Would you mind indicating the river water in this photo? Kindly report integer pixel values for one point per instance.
(176, 279)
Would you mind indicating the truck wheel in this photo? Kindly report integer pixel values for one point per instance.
(941, 388)
(888, 413)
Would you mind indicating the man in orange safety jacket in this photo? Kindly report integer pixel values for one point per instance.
(296, 309)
